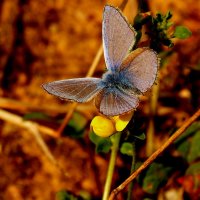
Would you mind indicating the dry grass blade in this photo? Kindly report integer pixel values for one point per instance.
(34, 129)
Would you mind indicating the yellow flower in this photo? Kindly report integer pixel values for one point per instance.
(121, 121)
(105, 127)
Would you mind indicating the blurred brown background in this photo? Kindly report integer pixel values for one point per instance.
(42, 41)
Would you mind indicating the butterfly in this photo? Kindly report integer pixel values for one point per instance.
(128, 74)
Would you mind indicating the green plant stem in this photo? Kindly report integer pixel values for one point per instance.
(130, 188)
(115, 145)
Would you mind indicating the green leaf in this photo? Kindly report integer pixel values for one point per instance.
(36, 116)
(168, 15)
(102, 144)
(195, 147)
(188, 143)
(127, 149)
(140, 20)
(141, 136)
(159, 17)
(190, 130)
(182, 32)
(169, 24)
(156, 175)
(78, 121)
(63, 195)
(184, 148)
(93, 137)
(193, 169)
(85, 195)
(197, 67)
(76, 126)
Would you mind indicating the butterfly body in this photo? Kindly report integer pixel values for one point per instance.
(115, 80)
(127, 75)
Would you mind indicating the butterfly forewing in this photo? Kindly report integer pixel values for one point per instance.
(116, 102)
(118, 37)
(141, 68)
(79, 89)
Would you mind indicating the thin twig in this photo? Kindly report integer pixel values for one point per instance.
(123, 4)
(95, 62)
(155, 155)
(66, 119)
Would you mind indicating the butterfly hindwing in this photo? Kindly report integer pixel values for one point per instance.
(79, 89)
(116, 102)
(140, 68)
(118, 37)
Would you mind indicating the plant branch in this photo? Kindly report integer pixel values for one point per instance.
(185, 125)
(123, 4)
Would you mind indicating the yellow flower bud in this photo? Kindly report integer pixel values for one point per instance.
(121, 121)
(103, 126)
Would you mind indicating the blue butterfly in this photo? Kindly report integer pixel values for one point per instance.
(128, 74)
